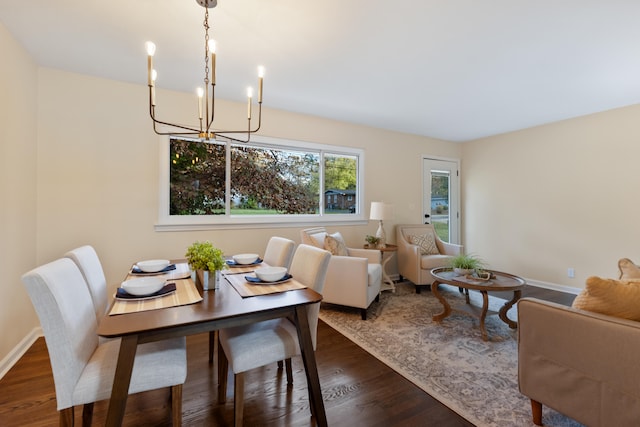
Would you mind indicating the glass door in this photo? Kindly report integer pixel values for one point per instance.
(440, 199)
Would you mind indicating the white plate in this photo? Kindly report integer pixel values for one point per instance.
(257, 281)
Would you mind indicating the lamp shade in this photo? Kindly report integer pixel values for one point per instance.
(381, 211)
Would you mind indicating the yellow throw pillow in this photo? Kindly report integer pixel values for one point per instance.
(611, 297)
(334, 244)
(427, 243)
(628, 270)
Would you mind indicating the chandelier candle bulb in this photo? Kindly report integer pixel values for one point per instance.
(200, 95)
(249, 96)
(212, 50)
(260, 79)
(151, 50)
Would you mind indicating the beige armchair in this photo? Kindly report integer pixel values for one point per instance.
(354, 279)
(580, 363)
(415, 266)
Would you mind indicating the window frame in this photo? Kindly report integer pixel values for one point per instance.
(167, 222)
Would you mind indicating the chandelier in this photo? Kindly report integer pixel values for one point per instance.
(206, 94)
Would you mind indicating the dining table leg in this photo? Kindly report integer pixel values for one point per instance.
(310, 366)
(121, 380)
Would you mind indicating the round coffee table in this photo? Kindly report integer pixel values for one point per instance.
(499, 282)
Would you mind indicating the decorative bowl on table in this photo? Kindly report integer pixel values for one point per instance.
(271, 274)
(245, 258)
(143, 286)
(153, 265)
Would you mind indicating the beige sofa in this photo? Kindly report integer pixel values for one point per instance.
(580, 363)
(412, 264)
(353, 280)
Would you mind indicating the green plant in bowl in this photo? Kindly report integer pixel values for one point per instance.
(466, 264)
(372, 240)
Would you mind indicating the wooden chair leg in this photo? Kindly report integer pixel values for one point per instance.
(536, 411)
(289, 371)
(363, 313)
(223, 371)
(176, 405)
(213, 340)
(87, 414)
(238, 401)
(280, 364)
(66, 417)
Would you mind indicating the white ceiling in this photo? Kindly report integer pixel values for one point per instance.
(450, 69)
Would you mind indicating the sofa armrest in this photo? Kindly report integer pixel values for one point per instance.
(580, 363)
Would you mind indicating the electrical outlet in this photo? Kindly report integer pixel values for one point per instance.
(571, 273)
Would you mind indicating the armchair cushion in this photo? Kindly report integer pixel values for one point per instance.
(628, 270)
(610, 297)
(335, 245)
(426, 242)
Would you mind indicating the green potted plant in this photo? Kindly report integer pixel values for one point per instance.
(372, 241)
(466, 264)
(207, 261)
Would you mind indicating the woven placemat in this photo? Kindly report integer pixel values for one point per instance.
(186, 293)
(246, 289)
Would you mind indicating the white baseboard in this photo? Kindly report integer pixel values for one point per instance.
(554, 286)
(19, 350)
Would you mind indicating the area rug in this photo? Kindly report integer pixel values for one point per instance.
(477, 379)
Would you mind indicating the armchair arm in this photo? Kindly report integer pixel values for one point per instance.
(373, 255)
(580, 363)
(346, 281)
(409, 258)
(448, 248)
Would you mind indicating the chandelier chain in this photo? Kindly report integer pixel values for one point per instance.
(206, 48)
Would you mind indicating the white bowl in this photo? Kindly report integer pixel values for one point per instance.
(271, 274)
(143, 286)
(245, 258)
(153, 265)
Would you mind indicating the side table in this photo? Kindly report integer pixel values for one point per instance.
(387, 253)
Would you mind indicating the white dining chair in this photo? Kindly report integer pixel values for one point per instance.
(251, 346)
(278, 253)
(83, 368)
(86, 258)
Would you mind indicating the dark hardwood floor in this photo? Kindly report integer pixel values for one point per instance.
(358, 390)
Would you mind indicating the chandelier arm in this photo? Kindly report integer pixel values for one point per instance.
(246, 131)
(156, 121)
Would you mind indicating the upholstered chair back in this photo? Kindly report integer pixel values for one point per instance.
(87, 260)
(279, 252)
(309, 267)
(63, 303)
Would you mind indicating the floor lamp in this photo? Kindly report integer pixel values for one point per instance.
(381, 211)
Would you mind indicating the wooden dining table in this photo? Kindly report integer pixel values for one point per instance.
(221, 308)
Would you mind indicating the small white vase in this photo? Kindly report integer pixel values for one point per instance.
(462, 271)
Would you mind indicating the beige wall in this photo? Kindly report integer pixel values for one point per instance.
(541, 200)
(18, 105)
(97, 177)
